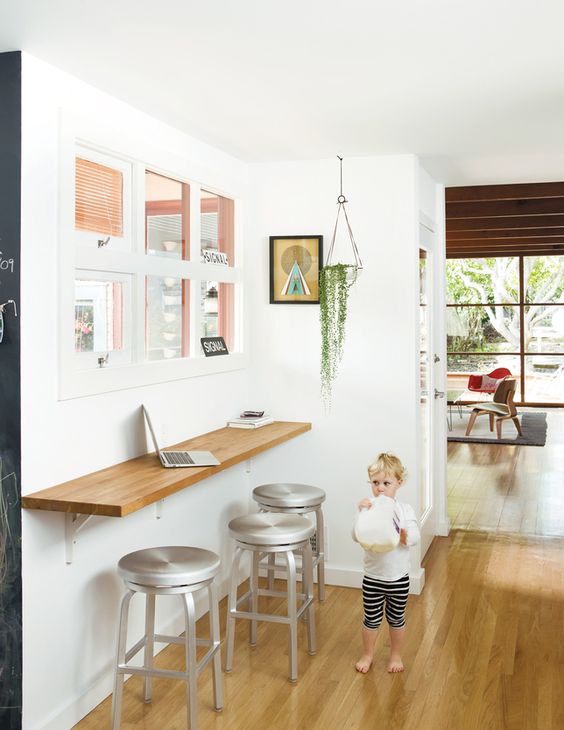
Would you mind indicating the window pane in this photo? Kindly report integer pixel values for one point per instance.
(544, 278)
(167, 317)
(98, 315)
(217, 302)
(98, 198)
(544, 379)
(482, 281)
(544, 329)
(483, 329)
(217, 228)
(460, 367)
(167, 212)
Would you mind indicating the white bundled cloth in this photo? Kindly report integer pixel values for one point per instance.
(378, 529)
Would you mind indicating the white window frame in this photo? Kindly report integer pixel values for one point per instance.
(110, 146)
(123, 356)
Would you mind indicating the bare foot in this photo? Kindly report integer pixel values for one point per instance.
(395, 664)
(363, 664)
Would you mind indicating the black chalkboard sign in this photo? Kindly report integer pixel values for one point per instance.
(10, 420)
(213, 346)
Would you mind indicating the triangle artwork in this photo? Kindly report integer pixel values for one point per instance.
(295, 283)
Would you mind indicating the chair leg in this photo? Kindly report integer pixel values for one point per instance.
(292, 615)
(471, 421)
(271, 562)
(491, 422)
(517, 425)
(231, 608)
(191, 660)
(216, 639)
(307, 569)
(149, 643)
(120, 659)
(320, 528)
(253, 599)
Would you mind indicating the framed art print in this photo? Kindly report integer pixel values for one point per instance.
(295, 263)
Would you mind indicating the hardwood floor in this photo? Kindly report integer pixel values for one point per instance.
(516, 489)
(484, 645)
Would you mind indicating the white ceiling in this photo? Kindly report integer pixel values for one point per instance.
(475, 88)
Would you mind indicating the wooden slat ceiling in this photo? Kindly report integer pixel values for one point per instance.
(505, 220)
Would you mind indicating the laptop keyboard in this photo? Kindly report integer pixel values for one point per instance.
(177, 457)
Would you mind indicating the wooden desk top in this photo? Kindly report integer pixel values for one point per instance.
(124, 488)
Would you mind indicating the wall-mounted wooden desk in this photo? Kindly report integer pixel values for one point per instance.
(124, 488)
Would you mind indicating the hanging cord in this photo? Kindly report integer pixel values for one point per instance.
(341, 200)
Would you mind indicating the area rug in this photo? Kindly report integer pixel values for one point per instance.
(533, 426)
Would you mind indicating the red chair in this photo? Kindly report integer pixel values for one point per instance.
(487, 383)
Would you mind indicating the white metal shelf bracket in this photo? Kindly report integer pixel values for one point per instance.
(73, 523)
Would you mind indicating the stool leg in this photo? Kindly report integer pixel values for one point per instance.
(191, 660)
(271, 565)
(120, 659)
(149, 643)
(292, 616)
(253, 599)
(308, 590)
(320, 554)
(231, 607)
(216, 639)
(271, 571)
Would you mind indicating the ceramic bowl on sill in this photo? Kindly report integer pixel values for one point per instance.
(170, 245)
(169, 336)
(169, 317)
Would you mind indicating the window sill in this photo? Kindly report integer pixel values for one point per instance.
(82, 383)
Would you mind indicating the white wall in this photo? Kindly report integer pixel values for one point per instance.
(375, 395)
(70, 611)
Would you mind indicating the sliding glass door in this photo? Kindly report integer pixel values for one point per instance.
(508, 312)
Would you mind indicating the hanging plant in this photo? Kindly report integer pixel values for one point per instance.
(335, 282)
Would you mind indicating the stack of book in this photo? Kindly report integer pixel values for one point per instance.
(250, 422)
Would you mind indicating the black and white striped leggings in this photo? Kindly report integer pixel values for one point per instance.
(394, 593)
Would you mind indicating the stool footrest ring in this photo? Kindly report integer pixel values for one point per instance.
(268, 616)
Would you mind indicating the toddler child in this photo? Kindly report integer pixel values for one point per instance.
(386, 574)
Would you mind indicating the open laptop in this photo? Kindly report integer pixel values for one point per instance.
(180, 458)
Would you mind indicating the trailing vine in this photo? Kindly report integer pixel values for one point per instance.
(335, 282)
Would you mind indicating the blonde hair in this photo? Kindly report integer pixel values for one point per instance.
(388, 464)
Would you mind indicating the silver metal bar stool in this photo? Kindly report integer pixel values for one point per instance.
(169, 571)
(296, 499)
(272, 533)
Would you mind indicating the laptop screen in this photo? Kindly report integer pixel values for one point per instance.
(148, 419)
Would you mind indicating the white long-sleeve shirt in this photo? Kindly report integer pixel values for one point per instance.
(394, 564)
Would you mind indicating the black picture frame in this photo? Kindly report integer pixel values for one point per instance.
(294, 265)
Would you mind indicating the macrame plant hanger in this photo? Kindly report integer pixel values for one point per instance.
(341, 202)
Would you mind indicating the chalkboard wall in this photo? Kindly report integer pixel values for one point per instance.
(10, 443)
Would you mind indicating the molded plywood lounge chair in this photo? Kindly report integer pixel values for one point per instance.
(501, 409)
(487, 383)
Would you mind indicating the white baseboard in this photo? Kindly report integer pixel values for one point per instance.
(417, 581)
(443, 528)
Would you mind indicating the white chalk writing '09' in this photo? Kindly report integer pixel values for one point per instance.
(6, 264)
